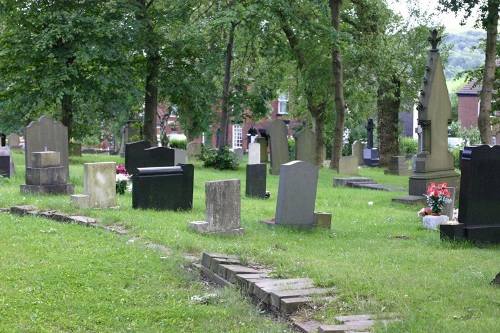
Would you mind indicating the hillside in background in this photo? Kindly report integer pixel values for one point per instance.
(463, 56)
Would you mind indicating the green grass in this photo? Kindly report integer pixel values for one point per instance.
(63, 277)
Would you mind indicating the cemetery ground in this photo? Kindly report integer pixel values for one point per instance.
(59, 277)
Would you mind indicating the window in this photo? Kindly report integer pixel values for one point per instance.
(237, 136)
(282, 103)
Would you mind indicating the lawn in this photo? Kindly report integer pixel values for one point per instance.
(69, 278)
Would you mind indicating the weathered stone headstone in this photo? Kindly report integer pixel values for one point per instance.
(348, 165)
(433, 163)
(278, 143)
(14, 141)
(256, 180)
(6, 162)
(479, 208)
(46, 175)
(263, 149)
(163, 188)
(132, 151)
(296, 195)
(128, 132)
(193, 151)
(398, 166)
(357, 150)
(254, 153)
(99, 184)
(305, 145)
(239, 154)
(223, 208)
(46, 134)
(180, 156)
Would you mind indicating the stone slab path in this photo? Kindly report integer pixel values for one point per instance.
(362, 182)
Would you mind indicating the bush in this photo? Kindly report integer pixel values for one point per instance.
(221, 159)
(471, 136)
(291, 149)
(179, 144)
(408, 145)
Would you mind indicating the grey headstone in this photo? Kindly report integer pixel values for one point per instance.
(46, 134)
(256, 180)
(7, 164)
(223, 208)
(193, 150)
(357, 150)
(297, 194)
(14, 140)
(180, 156)
(348, 165)
(449, 207)
(278, 143)
(127, 133)
(263, 149)
(305, 145)
(99, 184)
(239, 154)
(398, 166)
(254, 153)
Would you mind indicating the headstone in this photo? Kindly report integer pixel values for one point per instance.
(479, 207)
(398, 166)
(193, 151)
(46, 134)
(127, 133)
(278, 143)
(254, 153)
(348, 165)
(256, 180)
(239, 154)
(46, 175)
(433, 163)
(370, 154)
(3, 140)
(223, 208)
(305, 145)
(370, 126)
(163, 188)
(180, 156)
(263, 149)
(132, 152)
(14, 141)
(357, 150)
(150, 157)
(99, 184)
(6, 162)
(296, 195)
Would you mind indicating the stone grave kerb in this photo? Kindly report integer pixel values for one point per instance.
(46, 134)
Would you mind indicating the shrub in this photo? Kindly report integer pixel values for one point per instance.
(471, 136)
(291, 148)
(408, 145)
(177, 143)
(221, 159)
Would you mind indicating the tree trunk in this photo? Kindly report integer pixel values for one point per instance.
(151, 99)
(337, 72)
(483, 119)
(67, 113)
(388, 103)
(224, 115)
(319, 128)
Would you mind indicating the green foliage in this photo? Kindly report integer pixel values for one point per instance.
(408, 145)
(291, 148)
(471, 136)
(219, 158)
(455, 128)
(177, 143)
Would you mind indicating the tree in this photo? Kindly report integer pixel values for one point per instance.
(488, 10)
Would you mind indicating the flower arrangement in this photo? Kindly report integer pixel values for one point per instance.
(437, 196)
(122, 179)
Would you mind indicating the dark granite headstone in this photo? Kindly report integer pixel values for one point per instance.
(5, 166)
(479, 207)
(370, 126)
(3, 139)
(163, 188)
(256, 180)
(132, 153)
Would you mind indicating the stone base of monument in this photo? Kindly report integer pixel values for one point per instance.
(321, 220)
(484, 234)
(371, 157)
(204, 227)
(452, 231)
(48, 189)
(80, 200)
(433, 222)
(411, 199)
(419, 181)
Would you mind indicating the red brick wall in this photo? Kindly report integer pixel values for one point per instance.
(468, 110)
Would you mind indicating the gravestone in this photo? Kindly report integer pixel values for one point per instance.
(357, 150)
(132, 151)
(151, 157)
(479, 208)
(14, 141)
(256, 180)
(449, 207)
(46, 134)
(348, 165)
(180, 156)
(238, 152)
(263, 149)
(398, 166)
(433, 163)
(305, 145)
(163, 188)
(254, 153)
(99, 184)
(278, 144)
(128, 132)
(6, 162)
(3, 140)
(296, 195)
(223, 208)
(370, 154)
(193, 151)
(46, 175)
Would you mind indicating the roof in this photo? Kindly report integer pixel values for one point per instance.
(470, 89)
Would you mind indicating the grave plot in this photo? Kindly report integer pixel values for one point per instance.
(363, 182)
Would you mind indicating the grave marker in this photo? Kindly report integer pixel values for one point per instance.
(305, 145)
(193, 150)
(99, 184)
(348, 165)
(256, 180)
(254, 153)
(14, 141)
(278, 143)
(6, 162)
(357, 150)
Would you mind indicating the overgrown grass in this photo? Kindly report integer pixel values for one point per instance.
(60, 277)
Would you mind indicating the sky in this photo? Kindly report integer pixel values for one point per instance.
(449, 20)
